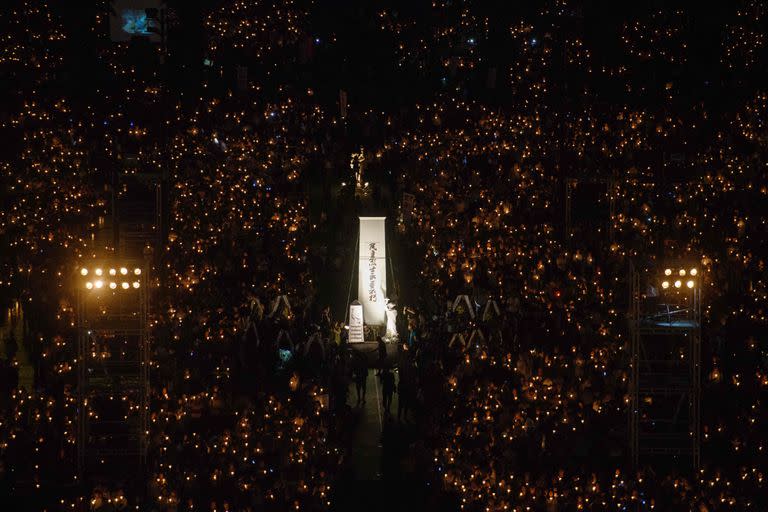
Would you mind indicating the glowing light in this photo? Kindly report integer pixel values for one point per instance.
(125, 286)
(137, 271)
(83, 271)
(135, 284)
(682, 272)
(89, 285)
(689, 284)
(668, 272)
(98, 271)
(678, 283)
(123, 270)
(135, 22)
(99, 283)
(665, 284)
(113, 285)
(112, 272)
(694, 272)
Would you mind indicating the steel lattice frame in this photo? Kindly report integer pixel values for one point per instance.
(124, 314)
(674, 381)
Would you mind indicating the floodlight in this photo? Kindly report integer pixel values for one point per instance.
(682, 272)
(694, 272)
(668, 272)
(689, 284)
(123, 270)
(112, 272)
(135, 284)
(113, 285)
(125, 286)
(137, 271)
(678, 284)
(99, 283)
(98, 271)
(89, 285)
(665, 284)
(83, 271)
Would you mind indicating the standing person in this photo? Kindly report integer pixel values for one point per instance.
(382, 353)
(361, 379)
(388, 389)
(413, 337)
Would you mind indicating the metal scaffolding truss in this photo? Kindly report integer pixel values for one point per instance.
(113, 367)
(665, 380)
(137, 209)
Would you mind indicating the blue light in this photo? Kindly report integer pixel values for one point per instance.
(471, 40)
(135, 22)
(317, 40)
(534, 42)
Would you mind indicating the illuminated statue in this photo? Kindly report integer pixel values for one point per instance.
(357, 164)
(391, 320)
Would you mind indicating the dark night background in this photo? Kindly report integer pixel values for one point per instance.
(550, 158)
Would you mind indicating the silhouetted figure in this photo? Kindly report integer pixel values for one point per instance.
(382, 353)
(388, 389)
(361, 378)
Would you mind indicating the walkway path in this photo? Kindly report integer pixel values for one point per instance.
(366, 445)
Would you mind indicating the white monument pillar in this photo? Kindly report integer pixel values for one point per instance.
(372, 270)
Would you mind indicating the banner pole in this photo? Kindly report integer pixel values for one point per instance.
(352, 277)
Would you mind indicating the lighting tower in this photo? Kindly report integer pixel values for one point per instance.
(112, 300)
(665, 367)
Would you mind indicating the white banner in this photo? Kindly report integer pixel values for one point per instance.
(356, 322)
(372, 270)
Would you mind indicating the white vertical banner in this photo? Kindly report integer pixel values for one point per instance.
(356, 322)
(372, 270)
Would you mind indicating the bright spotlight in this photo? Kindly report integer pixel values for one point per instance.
(694, 271)
(125, 286)
(689, 284)
(678, 284)
(98, 271)
(682, 272)
(137, 271)
(668, 272)
(123, 270)
(99, 283)
(83, 271)
(112, 272)
(89, 285)
(665, 284)
(113, 285)
(135, 284)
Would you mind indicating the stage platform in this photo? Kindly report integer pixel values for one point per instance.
(682, 324)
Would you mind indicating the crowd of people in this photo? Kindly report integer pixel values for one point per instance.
(515, 246)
